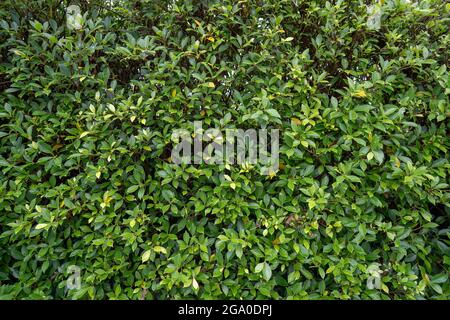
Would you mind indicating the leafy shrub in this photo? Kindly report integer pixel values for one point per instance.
(86, 117)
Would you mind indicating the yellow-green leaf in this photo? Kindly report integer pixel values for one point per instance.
(41, 226)
(146, 255)
(160, 249)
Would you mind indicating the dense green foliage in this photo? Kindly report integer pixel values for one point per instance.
(86, 118)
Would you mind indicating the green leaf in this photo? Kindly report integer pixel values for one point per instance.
(44, 147)
(274, 113)
(267, 272)
(379, 156)
(436, 288)
(132, 189)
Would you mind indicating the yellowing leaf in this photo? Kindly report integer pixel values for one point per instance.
(146, 255)
(311, 203)
(370, 156)
(19, 53)
(296, 121)
(57, 146)
(194, 284)
(160, 249)
(84, 134)
(272, 173)
(174, 93)
(211, 85)
(111, 107)
(259, 267)
(211, 39)
(360, 93)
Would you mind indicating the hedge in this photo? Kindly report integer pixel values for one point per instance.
(359, 205)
